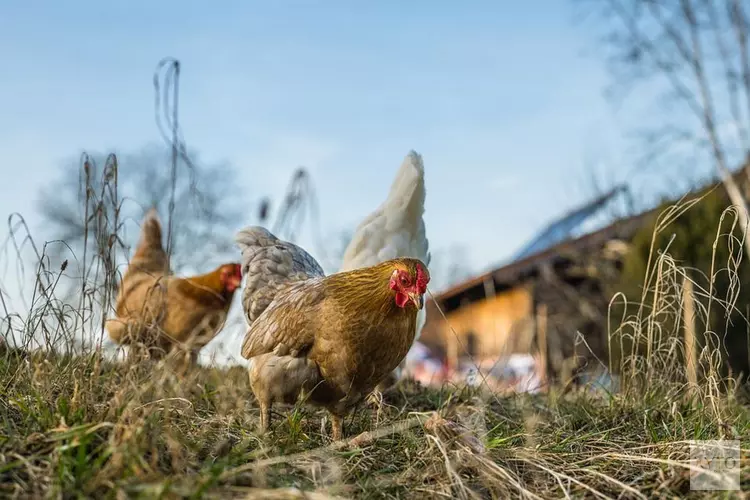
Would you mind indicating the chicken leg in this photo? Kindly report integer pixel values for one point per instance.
(337, 427)
(265, 416)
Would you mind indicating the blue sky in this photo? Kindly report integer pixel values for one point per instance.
(504, 101)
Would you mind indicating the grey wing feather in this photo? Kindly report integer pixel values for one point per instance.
(286, 327)
(268, 263)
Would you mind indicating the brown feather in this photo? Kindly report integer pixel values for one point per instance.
(149, 254)
(335, 337)
(347, 324)
(158, 309)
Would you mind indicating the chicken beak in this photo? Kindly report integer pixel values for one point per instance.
(418, 299)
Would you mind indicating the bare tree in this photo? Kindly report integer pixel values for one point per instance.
(695, 54)
(595, 181)
(207, 205)
(299, 209)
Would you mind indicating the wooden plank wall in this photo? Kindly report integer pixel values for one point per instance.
(501, 325)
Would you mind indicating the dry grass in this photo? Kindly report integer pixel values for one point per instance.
(80, 425)
(75, 423)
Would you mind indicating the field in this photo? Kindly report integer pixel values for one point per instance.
(84, 427)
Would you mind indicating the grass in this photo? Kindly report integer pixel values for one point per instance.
(81, 426)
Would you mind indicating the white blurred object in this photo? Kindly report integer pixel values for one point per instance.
(418, 352)
(395, 229)
(516, 372)
(600, 380)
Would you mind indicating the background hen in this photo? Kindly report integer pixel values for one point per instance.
(334, 337)
(395, 229)
(163, 311)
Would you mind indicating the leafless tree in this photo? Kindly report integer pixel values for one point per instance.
(208, 205)
(692, 56)
(595, 181)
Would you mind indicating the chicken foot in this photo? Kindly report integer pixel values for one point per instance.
(265, 416)
(337, 427)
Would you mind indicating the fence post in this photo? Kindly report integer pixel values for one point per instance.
(541, 338)
(688, 312)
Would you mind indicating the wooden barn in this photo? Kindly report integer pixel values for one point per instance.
(549, 302)
(537, 303)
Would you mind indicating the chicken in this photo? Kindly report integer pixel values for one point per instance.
(333, 338)
(395, 229)
(164, 312)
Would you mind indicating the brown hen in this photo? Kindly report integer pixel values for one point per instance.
(165, 313)
(333, 338)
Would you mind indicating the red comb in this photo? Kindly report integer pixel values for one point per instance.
(423, 278)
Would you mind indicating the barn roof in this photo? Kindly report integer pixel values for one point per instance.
(560, 238)
(524, 267)
(571, 225)
(556, 240)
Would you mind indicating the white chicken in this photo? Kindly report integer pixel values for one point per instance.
(395, 229)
